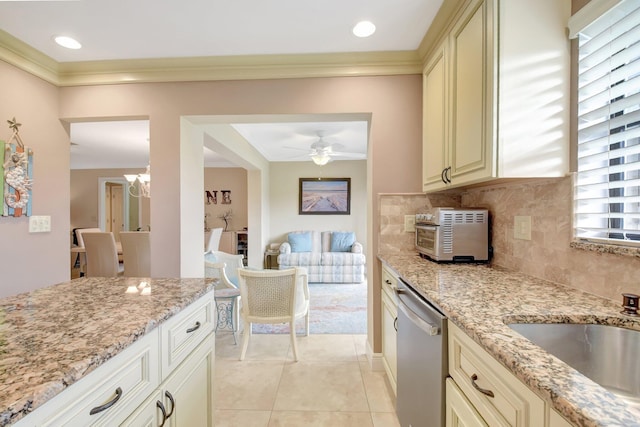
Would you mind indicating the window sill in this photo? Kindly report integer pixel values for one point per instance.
(606, 249)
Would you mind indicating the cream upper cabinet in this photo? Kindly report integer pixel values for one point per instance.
(504, 71)
(435, 156)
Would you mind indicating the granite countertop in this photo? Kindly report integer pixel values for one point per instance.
(481, 300)
(52, 337)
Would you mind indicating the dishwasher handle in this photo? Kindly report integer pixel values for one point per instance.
(416, 320)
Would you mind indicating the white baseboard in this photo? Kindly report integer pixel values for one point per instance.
(375, 359)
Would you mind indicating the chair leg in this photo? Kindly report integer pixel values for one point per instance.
(306, 324)
(292, 326)
(245, 339)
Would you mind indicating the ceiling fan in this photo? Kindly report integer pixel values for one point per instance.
(322, 152)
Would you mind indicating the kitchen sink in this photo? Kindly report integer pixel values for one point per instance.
(608, 355)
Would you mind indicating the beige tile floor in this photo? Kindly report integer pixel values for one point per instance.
(331, 384)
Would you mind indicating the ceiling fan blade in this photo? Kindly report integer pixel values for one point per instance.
(295, 148)
(345, 154)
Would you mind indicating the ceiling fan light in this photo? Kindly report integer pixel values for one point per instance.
(320, 159)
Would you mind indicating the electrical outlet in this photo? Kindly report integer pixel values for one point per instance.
(409, 223)
(522, 227)
(39, 224)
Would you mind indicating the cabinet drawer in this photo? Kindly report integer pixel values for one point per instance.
(181, 334)
(134, 371)
(389, 284)
(475, 370)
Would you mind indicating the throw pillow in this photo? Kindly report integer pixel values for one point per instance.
(300, 242)
(342, 241)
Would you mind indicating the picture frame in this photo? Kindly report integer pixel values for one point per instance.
(324, 196)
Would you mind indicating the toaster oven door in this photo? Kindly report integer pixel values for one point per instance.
(427, 240)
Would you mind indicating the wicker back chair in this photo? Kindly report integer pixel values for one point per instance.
(274, 296)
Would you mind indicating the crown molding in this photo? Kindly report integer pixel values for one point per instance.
(250, 67)
(23, 56)
(440, 27)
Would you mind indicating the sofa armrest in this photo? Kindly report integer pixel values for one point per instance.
(356, 248)
(285, 248)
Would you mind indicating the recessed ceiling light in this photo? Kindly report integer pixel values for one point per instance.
(364, 29)
(67, 42)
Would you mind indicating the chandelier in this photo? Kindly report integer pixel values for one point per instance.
(143, 189)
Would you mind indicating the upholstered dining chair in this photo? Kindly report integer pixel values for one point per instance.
(80, 239)
(102, 255)
(136, 253)
(274, 296)
(224, 267)
(214, 240)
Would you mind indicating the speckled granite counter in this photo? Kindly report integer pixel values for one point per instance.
(52, 337)
(481, 300)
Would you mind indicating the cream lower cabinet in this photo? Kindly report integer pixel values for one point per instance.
(185, 398)
(460, 412)
(496, 95)
(483, 392)
(170, 367)
(389, 325)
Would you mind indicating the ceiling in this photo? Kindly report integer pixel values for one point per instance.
(144, 29)
(125, 29)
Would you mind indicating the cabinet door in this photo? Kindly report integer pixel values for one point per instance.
(148, 414)
(188, 393)
(471, 148)
(434, 131)
(389, 343)
(460, 413)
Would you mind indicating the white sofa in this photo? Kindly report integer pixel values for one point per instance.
(328, 256)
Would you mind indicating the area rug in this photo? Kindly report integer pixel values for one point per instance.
(339, 308)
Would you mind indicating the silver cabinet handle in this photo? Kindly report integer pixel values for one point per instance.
(107, 405)
(173, 403)
(484, 391)
(164, 412)
(195, 328)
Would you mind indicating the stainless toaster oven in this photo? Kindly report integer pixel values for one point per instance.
(453, 234)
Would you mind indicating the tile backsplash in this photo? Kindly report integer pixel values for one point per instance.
(547, 255)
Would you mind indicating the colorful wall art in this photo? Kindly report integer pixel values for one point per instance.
(16, 174)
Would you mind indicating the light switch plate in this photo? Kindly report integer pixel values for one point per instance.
(39, 223)
(409, 223)
(522, 227)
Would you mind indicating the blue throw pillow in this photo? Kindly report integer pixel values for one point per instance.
(300, 242)
(342, 242)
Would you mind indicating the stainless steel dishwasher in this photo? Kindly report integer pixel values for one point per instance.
(422, 360)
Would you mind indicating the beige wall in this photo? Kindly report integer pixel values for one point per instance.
(84, 196)
(394, 163)
(32, 260)
(284, 193)
(234, 179)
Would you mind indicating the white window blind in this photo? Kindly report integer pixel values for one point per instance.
(607, 192)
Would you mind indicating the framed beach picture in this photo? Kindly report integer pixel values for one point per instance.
(325, 196)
